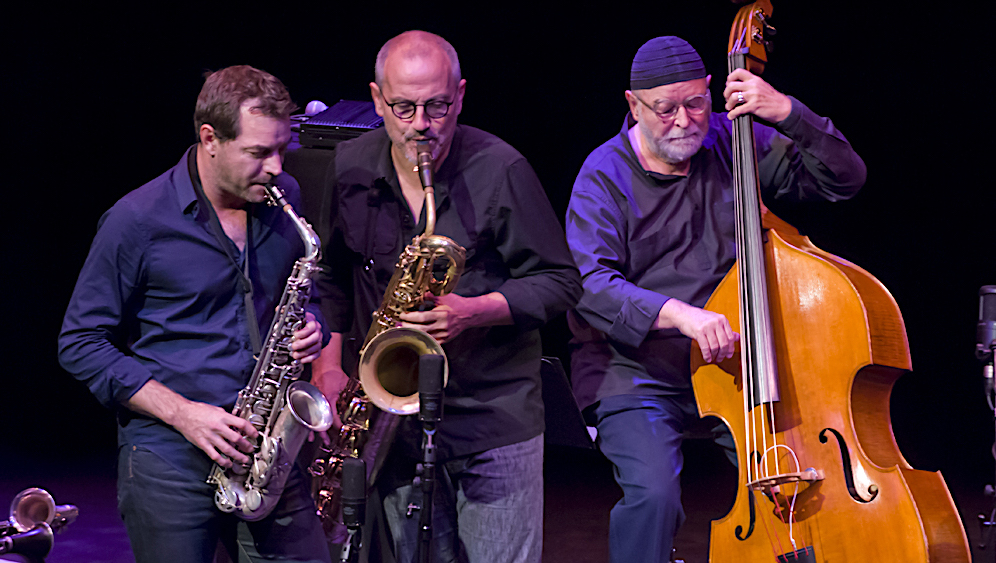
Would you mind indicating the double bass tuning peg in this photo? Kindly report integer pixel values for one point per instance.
(769, 46)
(768, 28)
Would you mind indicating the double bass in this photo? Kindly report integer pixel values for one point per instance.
(806, 398)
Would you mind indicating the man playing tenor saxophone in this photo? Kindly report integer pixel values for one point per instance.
(518, 274)
(182, 277)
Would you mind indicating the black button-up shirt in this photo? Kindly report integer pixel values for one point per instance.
(158, 298)
(489, 201)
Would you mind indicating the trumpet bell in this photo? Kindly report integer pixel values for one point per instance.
(388, 369)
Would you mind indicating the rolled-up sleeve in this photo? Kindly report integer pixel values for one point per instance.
(92, 340)
(543, 280)
(610, 303)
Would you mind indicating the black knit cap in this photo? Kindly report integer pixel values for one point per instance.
(665, 60)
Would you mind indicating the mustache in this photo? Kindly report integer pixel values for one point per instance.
(693, 132)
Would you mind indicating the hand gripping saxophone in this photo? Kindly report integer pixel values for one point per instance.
(283, 409)
(387, 375)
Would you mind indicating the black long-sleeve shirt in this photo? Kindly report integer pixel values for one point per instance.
(488, 200)
(640, 238)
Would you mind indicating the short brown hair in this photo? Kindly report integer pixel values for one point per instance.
(220, 101)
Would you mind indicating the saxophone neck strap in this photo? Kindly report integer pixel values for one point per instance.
(226, 246)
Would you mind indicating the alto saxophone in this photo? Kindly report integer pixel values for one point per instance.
(387, 375)
(283, 409)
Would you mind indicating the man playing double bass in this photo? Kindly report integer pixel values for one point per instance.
(651, 226)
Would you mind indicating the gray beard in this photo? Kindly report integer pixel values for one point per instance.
(672, 150)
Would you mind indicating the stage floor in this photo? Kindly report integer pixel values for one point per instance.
(579, 494)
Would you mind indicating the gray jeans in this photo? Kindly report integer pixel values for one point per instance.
(488, 508)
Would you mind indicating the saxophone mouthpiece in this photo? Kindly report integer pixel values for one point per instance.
(274, 196)
(424, 160)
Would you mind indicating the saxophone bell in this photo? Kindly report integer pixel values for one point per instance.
(35, 506)
(388, 369)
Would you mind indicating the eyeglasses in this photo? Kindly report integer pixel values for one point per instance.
(667, 110)
(405, 109)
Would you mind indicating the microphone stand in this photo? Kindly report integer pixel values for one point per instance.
(430, 392)
(988, 525)
(985, 350)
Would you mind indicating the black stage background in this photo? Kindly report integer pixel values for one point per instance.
(100, 102)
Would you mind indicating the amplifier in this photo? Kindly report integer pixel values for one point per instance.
(346, 119)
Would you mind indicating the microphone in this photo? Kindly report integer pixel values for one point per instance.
(354, 507)
(985, 334)
(986, 330)
(354, 492)
(430, 387)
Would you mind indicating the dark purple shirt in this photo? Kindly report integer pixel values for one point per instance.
(158, 298)
(640, 238)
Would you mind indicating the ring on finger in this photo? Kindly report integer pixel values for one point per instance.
(740, 97)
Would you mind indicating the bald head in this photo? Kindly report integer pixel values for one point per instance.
(413, 45)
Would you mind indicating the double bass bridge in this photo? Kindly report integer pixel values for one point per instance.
(771, 484)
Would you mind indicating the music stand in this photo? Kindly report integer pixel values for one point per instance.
(564, 423)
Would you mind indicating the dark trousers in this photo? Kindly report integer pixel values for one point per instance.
(642, 436)
(169, 513)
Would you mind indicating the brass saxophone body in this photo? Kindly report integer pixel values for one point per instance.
(282, 408)
(387, 374)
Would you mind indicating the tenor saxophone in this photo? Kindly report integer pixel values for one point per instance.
(282, 408)
(387, 375)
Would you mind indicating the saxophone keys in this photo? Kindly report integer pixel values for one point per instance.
(317, 468)
(253, 501)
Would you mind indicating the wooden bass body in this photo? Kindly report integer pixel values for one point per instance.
(841, 344)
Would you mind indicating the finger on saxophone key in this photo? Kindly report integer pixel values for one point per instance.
(307, 344)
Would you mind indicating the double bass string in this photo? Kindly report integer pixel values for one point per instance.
(747, 277)
(745, 342)
(757, 356)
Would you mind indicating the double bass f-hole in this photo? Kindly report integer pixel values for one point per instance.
(871, 491)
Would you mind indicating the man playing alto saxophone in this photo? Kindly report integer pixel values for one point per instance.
(518, 275)
(160, 327)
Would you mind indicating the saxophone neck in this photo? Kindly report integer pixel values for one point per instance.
(312, 245)
(430, 212)
(424, 169)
